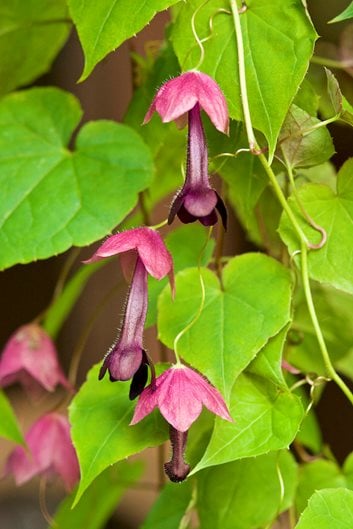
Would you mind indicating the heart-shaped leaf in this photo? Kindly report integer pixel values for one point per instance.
(266, 414)
(235, 322)
(62, 197)
(35, 30)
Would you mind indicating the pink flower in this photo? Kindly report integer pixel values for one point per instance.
(30, 357)
(187, 94)
(179, 393)
(127, 358)
(149, 246)
(178, 96)
(50, 452)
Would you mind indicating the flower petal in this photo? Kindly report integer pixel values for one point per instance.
(208, 394)
(146, 404)
(179, 95)
(149, 245)
(178, 402)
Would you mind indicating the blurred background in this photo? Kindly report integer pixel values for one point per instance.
(27, 290)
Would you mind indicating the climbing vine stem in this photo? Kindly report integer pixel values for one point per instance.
(202, 301)
(304, 243)
(242, 78)
(320, 338)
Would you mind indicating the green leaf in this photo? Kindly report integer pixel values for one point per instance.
(247, 181)
(9, 427)
(339, 103)
(103, 26)
(297, 146)
(235, 322)
(347, 13)
(100, 415)
(104, 494)
(34, 29)
(304, 353)
(319, 474)
(170, 507)
(62, 306)
(62, 198)
(307, 98)
(328, 509)
(185, 244)
(309, 435)
(246, 494)
(272, 78)
(266, 414)
(320, 174)
(334, 212)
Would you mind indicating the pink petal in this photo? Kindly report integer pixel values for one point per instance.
(209, 395)
(146, 404)
(179, 404)
(179, 95)
(30, 353)
(50, 450)
(65, 460)
(149, 245)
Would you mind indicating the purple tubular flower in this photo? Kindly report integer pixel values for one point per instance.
(127, 359)
(187, 94)
(197, 200)
(127, 356)
(51, 452)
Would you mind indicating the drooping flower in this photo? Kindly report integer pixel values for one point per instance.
(127, 358)
(30, 358)
(186, 95)
(179, 393)
(50, 451)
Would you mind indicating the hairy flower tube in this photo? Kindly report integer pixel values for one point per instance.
(127, 359)
(179, 393)
(186, 95)
(50, 451)
(30, 358)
